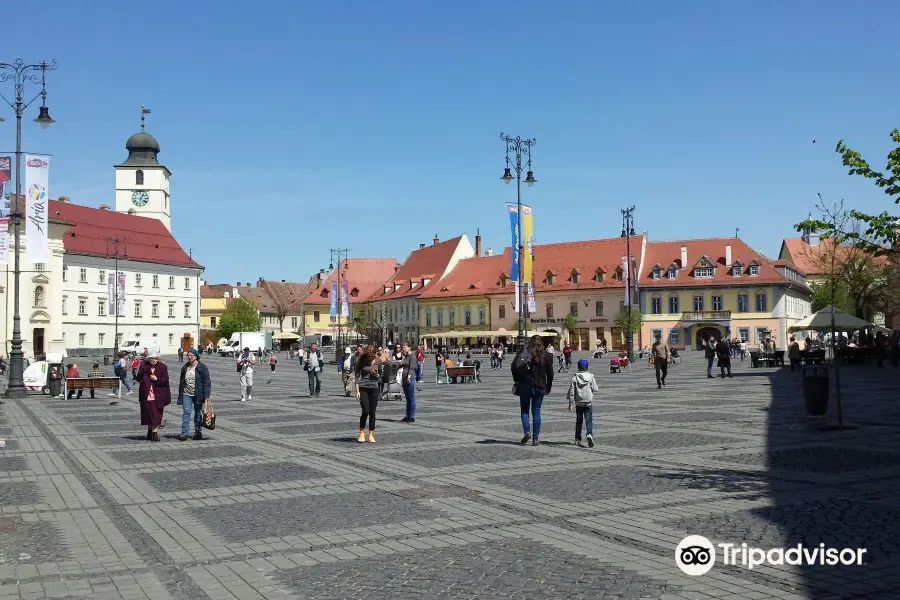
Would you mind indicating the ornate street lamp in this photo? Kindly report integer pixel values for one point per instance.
(20, 73)
(627, 232)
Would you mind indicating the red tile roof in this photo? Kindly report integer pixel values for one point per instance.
(481, 276)
(215, 290)
(430, 261)
(665, 254)
(477, 276)
(814, 260)
(288, 296)
(363, 274)
(142, 238)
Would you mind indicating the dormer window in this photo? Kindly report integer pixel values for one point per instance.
(445, 289)
(599, 276)
(387, 289)
(704, 272)
(573, 276)
(354, 293)
(396, 286)
(657, 273)
(754, 270)
(737, 270)
(548, 279)
(324, 293)
(619, 275)
(413, 284)
(673, 273)
(426, 281)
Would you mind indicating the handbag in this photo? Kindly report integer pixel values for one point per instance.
(515, 389)
(209, 417)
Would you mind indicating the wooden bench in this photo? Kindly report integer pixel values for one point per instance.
(95, 383)
(458, 374)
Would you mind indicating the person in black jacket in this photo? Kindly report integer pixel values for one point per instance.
(194, 388)
(532, 371)
(723, 350)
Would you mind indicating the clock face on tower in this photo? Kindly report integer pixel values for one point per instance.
(140, 198)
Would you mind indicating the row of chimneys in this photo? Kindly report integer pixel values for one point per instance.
(684, 256)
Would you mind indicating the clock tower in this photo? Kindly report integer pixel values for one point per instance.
(142, 184)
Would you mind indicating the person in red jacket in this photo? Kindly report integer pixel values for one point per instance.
(72, 372)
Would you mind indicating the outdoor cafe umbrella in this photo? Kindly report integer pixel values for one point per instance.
(286, 335)
(822, 320)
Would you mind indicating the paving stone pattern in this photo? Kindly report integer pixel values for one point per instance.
(280, 501)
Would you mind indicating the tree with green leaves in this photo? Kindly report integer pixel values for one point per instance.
(621, 320)
(880, 236)
(570, 324)
(239, 315)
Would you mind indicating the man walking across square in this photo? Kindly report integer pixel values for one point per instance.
(660, 352)
(313, 364)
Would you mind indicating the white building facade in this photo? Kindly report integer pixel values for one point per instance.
(65, 304)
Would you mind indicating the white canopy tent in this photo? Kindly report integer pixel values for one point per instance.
(822, 321)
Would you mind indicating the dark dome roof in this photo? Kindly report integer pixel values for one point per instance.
(142, 141)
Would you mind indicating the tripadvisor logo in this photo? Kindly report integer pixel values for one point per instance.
(696, 555)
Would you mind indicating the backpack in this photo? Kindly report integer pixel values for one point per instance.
(521, 367)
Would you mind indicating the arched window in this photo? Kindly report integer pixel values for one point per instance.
(139, 177)
(39, 296)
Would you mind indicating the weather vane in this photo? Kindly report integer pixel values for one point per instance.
(144, 112)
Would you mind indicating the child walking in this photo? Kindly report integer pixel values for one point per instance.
(581, 396)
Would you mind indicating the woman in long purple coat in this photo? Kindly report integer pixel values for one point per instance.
(154, 393)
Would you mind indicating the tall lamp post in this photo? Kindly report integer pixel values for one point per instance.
(339, 256)
(20, 73)
(116, 298)
(627, 232)
(517, 149)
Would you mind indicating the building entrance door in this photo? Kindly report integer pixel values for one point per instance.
(704, 333)
(38, 341)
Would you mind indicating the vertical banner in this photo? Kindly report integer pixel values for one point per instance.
(625, 268)
(111, 293)
(516, 303)
(121, 293)
(37, 178)
(4, 240)
(345, 299)
(532, 306)
(514, 230)
(5, 185)
(334, 296)
(635, 276)
(528, 235)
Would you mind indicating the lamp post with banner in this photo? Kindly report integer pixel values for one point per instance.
(20, 73)
(627, 232)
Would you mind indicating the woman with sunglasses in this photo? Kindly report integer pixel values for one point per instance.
(154, 394)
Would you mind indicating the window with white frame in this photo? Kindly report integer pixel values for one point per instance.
(716, 302)
(657, 273)
(549, 310)
(673, 273)
(171, 338)
(754, 270)
(673, 304)
(598, 308)
(293, 322)
(187, 313)
(138, 309)
(101, 306)
(482, 315)
(675, 336)
(102, 276)
(171, 282)
(65, 273)
(427, 317)
(743, 303)
(467, 316)
(654, 333)
(501, 311)
(187, 283)
(39, 267)
(451, 317)
(744, 334)
(82, 275)
(82, 338)
(316, 316)
(737, 270)
(156, 281)
(101, 337)
(82, 307)
(698, 303)
(573, 308)
(39, 296)
(440, 317)
(704, 272)
(171, 310)
(137, 279)
(762, 304)
(761, 334)
(154, 309)
(656, 306)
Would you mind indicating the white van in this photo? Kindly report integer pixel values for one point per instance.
(133, 346)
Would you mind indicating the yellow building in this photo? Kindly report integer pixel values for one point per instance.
(695, 289)
(213, 300)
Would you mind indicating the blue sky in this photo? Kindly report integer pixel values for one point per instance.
(292, 127)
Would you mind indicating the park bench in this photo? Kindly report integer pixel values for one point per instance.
(92, 383)
(460, 374)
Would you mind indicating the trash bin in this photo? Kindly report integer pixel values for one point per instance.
(106, 360)
(55, 376)
(815, 389)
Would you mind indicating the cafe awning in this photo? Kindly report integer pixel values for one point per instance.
(822, 320)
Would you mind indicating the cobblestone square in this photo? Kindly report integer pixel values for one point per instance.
(280, 501)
